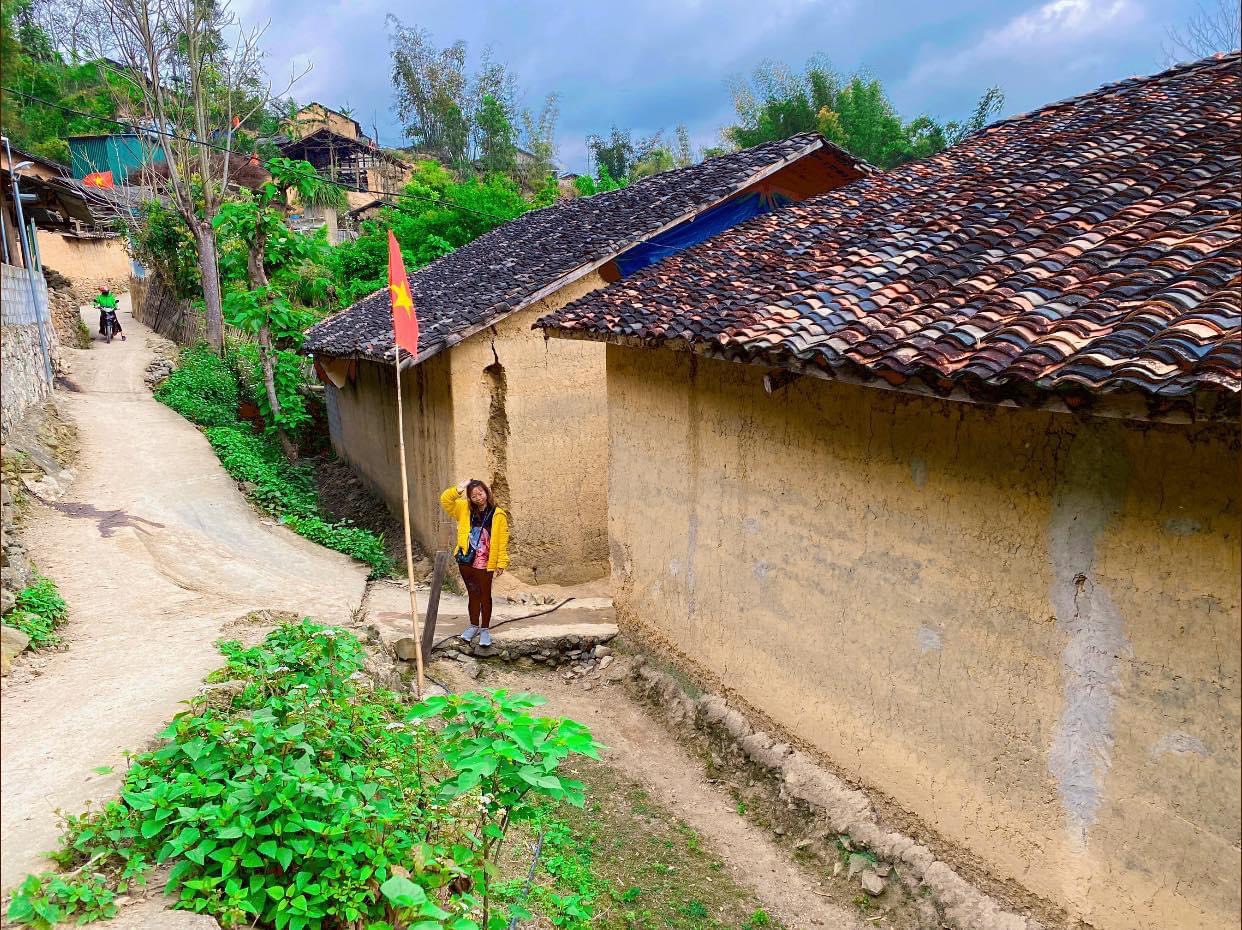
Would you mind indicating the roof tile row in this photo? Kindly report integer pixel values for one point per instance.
(498, 273)
(1092, 243)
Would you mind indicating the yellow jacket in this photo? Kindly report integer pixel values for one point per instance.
(456, 506)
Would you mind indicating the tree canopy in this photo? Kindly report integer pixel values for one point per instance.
(469, 121)
(855, 113)
(33, 65)
(434, 215)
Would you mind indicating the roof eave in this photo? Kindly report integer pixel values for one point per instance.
(1207, 403)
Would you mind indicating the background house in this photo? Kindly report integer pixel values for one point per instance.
(487, 396)
(121, 153)
(355, 162)
(1003, 590)
(315, 116)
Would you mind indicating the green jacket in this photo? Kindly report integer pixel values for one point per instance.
(106, 301)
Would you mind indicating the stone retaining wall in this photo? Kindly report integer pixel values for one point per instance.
(23, 373)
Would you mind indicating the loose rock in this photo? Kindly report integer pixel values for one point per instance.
(406, 648)
(12, 643)
(857, 864)
(872, 883)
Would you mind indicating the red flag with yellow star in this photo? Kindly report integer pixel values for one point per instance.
(98, 179)
(404, 319)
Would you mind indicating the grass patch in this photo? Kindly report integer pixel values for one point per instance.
(631, 865)
(206, 390)
(294, 797)
(39, 611)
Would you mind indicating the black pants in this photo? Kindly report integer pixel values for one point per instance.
(116, 324)
(479, 593)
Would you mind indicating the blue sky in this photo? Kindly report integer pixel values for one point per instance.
(650, 64)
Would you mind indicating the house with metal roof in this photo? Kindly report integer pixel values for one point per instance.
(939, 472)
(488, 397)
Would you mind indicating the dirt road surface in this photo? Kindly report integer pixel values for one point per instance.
(154, 549)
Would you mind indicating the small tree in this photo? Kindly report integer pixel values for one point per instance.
(614, 154)
(539, 138)
(1211, 29)
(254, 305)
(496, 138)
(195, 87)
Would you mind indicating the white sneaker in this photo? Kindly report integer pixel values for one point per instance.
(485, 638)
(470, 633)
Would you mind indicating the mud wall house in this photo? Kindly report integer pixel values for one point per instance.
(939, 471)
(315, 116)
(489, 397)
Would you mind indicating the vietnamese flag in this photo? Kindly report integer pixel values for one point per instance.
(404, 319)
(98, 179)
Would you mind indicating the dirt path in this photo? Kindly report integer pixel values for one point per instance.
(154, 549)
(644, 751)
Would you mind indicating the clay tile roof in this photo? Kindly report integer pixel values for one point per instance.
(1092, 244)
(537, 253)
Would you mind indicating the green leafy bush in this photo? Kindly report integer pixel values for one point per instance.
(203, 388)
(354, 541)
(272, 482)
(39, 610)
(293, 797)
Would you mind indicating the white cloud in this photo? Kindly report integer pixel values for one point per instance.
(1049, 30)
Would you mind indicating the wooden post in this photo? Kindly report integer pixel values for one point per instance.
(409, 546)
(433, 602)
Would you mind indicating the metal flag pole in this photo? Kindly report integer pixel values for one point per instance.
(409, 545)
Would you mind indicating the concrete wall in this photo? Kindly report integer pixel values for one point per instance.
(362, 417)
(525, 414)
(88, 263)
(1021, 626)
(23, 371)
(532, 420)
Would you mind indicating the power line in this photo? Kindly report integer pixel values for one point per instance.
(171, 135)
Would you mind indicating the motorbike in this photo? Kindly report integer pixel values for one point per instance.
(110, 324)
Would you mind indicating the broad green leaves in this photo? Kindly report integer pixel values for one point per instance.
(306, 801)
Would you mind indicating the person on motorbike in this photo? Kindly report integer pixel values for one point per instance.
(107, 303)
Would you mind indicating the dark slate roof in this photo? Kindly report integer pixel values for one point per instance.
(1091, 245)
(533, 255)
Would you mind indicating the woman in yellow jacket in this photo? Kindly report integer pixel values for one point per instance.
(482, 549)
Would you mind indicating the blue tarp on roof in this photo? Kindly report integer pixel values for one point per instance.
(692, 232)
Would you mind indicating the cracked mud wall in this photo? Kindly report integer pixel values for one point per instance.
(1021, 626)
(526, 414)
(532, 419)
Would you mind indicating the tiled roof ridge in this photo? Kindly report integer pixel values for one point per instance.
(1134, 82)
(1091, 243)
(511, 266)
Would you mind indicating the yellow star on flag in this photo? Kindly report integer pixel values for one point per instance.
(401, 299)
(405, 322)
